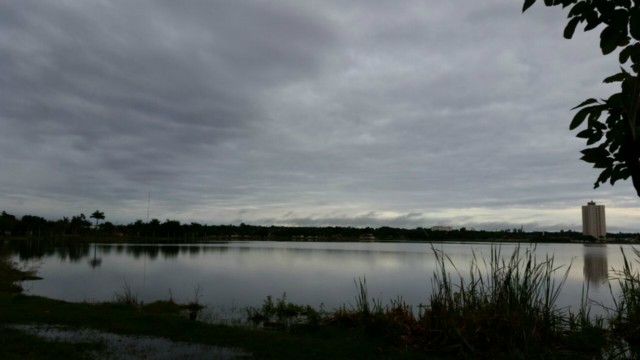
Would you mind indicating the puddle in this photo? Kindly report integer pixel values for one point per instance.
(127, 347)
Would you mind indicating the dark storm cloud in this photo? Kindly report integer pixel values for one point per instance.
(143, 91)
(360, 113)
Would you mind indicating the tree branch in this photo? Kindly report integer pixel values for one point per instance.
(633, 113)
(631, 151)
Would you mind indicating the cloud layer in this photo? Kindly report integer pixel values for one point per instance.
(368, 113)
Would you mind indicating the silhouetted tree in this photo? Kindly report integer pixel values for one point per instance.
(614, 123)
(78, 224)
(32, 225)
(7, 223)
(98, 215)
(155, 225)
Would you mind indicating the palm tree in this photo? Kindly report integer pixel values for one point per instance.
(98, 215)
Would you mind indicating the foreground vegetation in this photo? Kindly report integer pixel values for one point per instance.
(504, 308)
(126, 315)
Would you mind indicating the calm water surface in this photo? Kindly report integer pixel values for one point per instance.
(238, 274)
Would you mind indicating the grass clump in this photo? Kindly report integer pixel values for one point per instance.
(509, 307)
(126, 296)
(394, 323)
(624, 321)
(281, 314)
(505, 307)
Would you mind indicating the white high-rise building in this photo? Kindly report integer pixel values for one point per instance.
(593, 220)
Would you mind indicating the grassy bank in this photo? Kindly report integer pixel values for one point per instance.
(504, 308)
(165, 319)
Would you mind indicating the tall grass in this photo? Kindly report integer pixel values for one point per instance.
(624, 321)
(508, 304)
(127, 296)
(504, 307)
(394, 323)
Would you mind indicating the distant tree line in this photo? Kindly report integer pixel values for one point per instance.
(80, 226)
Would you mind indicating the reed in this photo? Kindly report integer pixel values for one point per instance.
(624, 320)
(505, 305)
(127, 296)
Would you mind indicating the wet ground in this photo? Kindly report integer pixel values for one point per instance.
(125, 347)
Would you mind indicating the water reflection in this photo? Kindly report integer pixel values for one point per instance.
(95, 262)
(29, 250)
(595, 268)
(243, 273)
(39, 249)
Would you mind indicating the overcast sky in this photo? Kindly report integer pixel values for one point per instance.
(351, 113)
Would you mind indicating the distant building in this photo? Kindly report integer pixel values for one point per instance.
(441, 228)
(593, 220)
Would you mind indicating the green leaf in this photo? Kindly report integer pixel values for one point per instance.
(625, 54)
(610, 37)
(596, 124)
(527, 4)
(619, 19)
(584, 134)
(577, 9)
(595, 155)
(625, 173)
(628, 90)
(615, 101)
(579, 118)
(605, 7)
(634, 25)
(616, 78)
(604, 175)
(593, 20)
(595, 138)
(571, 28)
(624, 3)
(614, 147)
(594, 115)
(620, 173)
(602, 164)
(586, 102)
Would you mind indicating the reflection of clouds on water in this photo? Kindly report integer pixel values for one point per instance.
(595, 264)
(244, 273)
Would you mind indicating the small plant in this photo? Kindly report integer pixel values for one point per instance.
(363, 306)
(195, 307)
(284, 315)
(127, 296)
(395, 323)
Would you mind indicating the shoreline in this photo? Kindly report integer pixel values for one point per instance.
(178, 240)
(448, 327)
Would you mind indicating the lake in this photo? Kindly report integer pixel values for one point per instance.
(243, 273)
